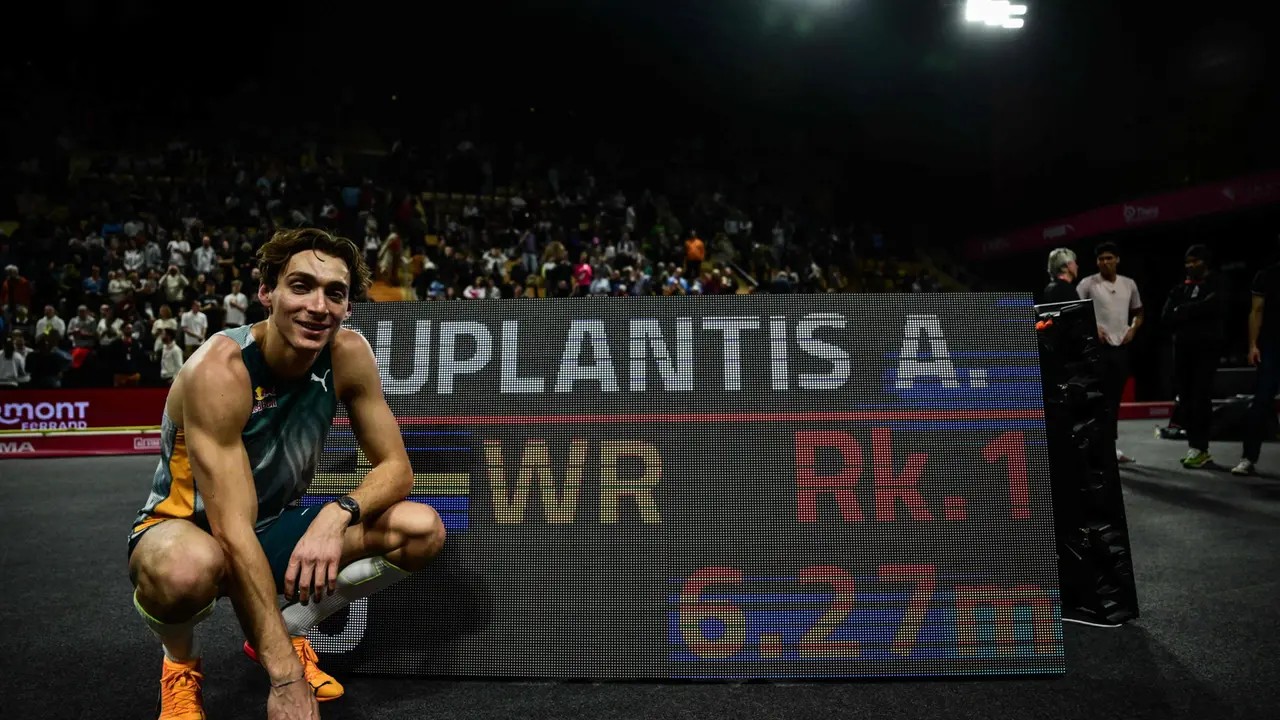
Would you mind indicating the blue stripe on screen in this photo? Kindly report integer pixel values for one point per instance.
(1032, 670)
(408, 433)
(974, 577)
(442, 503)
(873, 628)
(353, 448)
(1028, 354)
(1015, 302)
(452, 510)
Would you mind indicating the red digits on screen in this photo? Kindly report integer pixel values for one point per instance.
(1012, 445)
(890, 488)
(693, 610)
(922, 576)
(809, 484)
(815, 644)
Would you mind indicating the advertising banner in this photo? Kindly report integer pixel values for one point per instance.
(75, 444)
(81, 409)
(1170, 207)
(717, 487)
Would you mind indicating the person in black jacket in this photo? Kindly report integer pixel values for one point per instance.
(1063, 271)
(1193, 313)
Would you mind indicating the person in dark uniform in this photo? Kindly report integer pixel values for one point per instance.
(1193, 314)
(1264, 354)
(1063, 271)
(243, 428)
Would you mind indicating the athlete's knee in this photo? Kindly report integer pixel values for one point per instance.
(180, 574)
(422, 532)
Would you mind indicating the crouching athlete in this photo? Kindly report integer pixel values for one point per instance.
(244, 425)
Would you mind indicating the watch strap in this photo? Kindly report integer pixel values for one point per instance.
(346, 502)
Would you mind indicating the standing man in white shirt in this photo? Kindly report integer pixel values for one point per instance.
(170, 357)
(51, 323)
(179, 252)
(195, 327)
(205, 258)
(1118, 309)
(234, 306)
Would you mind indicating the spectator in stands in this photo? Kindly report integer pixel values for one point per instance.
(495, 263)
(13, 368)
(1117, 306)
(170, 357)
(174, 286)
(234, 307)
(1264, 354)
(179, 251)
(582, 274)
(529, 251)
(46, 363)
(1063, 272)
(166, 321)
(205, 259)
(195, 327)
(210, 300)
(117, 285)
(22, 322)
(226, 257)
(20, 343)
(50, 323)
(152, 256)
(133, 261)
(694, 253)
(109, 326)
(124, 359)
(83, 330)
(1193, 314)
(95, 287)
(15, 292)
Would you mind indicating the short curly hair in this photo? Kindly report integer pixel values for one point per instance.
(274, 255)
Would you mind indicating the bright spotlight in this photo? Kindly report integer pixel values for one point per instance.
(995, 13)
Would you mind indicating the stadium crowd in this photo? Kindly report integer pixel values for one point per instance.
(154, 252)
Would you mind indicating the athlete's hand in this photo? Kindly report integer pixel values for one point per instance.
(313, 567)
(294, 701)
(1255, 356)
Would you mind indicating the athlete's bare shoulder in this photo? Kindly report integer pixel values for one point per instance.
(213, 375)
(354, 364)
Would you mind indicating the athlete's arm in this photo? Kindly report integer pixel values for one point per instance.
(216, 405)
(376, 430)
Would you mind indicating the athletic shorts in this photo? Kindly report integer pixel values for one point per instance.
(278, 540)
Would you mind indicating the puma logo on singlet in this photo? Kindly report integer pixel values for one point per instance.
(322, 380)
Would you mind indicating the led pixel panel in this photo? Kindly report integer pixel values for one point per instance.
(717, 487)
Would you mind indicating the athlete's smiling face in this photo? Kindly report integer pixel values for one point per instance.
(310, 300)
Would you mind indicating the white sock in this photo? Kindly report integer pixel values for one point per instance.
(358, 580)
(179, 639)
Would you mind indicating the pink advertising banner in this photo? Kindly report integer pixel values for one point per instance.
(1170, 207)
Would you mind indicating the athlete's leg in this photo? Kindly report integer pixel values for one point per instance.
(408, 535)
(376, 553)
(177, 571)
(372, 556)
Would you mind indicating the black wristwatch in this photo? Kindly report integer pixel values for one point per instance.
(347, 503)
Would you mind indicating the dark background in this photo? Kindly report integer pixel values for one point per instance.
(906, 109)
(894, 113)
(590, 599)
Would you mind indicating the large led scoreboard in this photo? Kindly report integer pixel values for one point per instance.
(718, 487)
